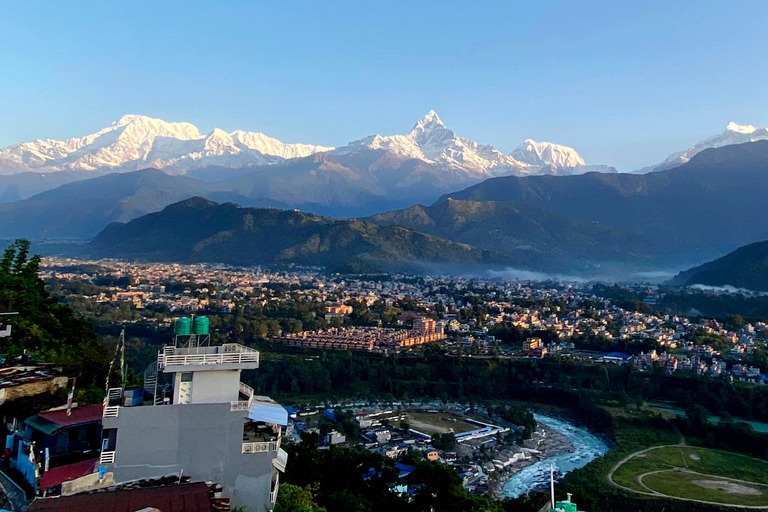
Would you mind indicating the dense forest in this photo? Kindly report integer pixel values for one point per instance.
(333, 375)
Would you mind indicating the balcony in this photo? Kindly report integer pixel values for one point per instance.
(246, 392)
(223, 357)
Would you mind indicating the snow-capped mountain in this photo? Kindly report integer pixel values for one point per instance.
(555, 159)
(734, 134)
(136, 142)
(431, 141)
(547, 153)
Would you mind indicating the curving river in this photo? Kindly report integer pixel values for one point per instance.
(586, 448)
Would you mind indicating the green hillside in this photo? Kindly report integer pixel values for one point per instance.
(531, 236)
(201, 230)
(746, 267)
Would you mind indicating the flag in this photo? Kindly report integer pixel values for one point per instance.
(70, 397)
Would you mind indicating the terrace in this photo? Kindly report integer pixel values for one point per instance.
(228, 356)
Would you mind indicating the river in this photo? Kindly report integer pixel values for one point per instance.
(586, 448)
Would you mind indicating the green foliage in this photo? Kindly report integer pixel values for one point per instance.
(292, 498)
(446, 442)
(350, 480)
(45, 328)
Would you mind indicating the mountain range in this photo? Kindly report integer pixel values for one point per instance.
(532, 237)
(734, 134)
(580, 223)
(700, 210)
(197, 229)
(539, 207)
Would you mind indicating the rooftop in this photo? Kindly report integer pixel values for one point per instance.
(80, 415)
(193, 497)
(58, 475)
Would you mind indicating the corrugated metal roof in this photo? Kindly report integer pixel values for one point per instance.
(42, 425)
(192, 497)
(57, 476)
(80, 415)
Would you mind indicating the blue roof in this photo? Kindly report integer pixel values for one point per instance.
(405, 467)
(618, 355)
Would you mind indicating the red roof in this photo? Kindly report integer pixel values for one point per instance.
(170, 498)
(80, 414)
(61, 474)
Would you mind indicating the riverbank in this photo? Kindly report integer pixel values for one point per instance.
(558, 443)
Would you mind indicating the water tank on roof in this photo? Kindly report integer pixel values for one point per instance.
(182, 326)
(200, 325)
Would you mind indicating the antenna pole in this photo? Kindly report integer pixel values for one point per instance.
(552, 484)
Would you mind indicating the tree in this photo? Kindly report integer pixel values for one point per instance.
(292, 498)
(445, 442)
(44, 327)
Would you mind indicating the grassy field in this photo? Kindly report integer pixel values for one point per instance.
(707, 488)
(439, 422)
(696, 473)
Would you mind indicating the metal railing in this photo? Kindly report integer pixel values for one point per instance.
(261, 446)
(247, 390)
(115, 393)
(229, 353)
(111, 411)
(107, 458)
(276, 487)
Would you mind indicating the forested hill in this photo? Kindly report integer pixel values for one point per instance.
(197, 230)
(746, 267)
(535, 238)
(44, 328)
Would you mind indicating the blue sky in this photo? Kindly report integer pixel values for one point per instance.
(625, 83)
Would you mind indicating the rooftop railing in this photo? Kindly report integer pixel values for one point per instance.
(229, 353)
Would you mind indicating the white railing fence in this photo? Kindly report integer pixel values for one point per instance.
(107, 458)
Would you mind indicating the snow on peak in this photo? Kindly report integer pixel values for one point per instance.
(137, 141)
(734, 134)
(547, 153)
(740, 128)
(428, 122)
(431, 141)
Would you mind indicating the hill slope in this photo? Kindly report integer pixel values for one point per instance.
(746, 267)
(532, 237)
(83, 208)
(703, 209)
(201, 230)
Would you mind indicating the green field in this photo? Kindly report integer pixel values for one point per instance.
(438, 422)
(689, 472)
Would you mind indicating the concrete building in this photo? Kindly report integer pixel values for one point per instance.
(213, 429)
